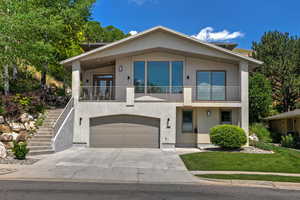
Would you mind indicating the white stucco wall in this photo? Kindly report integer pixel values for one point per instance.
(163, 111)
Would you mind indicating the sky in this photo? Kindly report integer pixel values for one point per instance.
(239, 21)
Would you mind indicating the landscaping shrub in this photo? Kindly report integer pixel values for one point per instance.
(20, 150)
(287, 141)
(261, 132)
(264, 146)
(228, 136)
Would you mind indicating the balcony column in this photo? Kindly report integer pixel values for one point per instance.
(76, 80)
(77, 137)
(244, 76)
(187, 96)
(130, 96)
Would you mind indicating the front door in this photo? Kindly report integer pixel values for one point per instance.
(103, 87)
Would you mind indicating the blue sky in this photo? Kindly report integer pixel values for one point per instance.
(240, 21)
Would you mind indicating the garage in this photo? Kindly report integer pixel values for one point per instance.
(124, 131)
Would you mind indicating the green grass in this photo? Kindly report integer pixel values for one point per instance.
(283, 160)
(252, 177)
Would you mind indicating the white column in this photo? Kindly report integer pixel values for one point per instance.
(244, 76)
(77, 137)
(76, 80)
(187, 96)
(130, 96)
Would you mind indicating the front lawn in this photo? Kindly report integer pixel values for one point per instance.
(252, 177)
(283, 160)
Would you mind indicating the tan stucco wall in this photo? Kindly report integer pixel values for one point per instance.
(278, 126)
(203, 123)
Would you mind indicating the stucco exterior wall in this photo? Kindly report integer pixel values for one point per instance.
(203, 123)
(163, 111)
(64, 137)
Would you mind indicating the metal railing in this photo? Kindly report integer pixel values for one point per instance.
(98, 93)
(60, 120)
(164, 93)
(216, 93)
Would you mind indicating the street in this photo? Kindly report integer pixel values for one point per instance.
(50, 190)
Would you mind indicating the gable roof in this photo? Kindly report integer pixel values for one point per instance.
(161, 28)
(289, 114)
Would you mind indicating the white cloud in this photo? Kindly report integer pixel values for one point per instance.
(141, 2)
(133, 32)
(208, 34)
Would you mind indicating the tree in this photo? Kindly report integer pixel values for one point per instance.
(280, 53)
(260, 97)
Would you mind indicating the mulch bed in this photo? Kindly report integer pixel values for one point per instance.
(249, 149)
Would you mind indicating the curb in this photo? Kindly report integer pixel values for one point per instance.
(253, 183)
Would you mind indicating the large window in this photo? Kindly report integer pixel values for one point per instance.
(158, 77)
(211, 85)
(162, 76)
(177, 76)
(187, 121)
(139, 76)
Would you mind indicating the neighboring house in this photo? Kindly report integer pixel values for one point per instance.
(157, 89)
(288, 122)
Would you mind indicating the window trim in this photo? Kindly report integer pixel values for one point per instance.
(170, 71)
(225, 85)
(192, 121)
(221, 122)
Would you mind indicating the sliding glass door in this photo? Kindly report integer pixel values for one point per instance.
(211, 85)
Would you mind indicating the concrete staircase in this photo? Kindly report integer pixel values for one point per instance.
(41, 142)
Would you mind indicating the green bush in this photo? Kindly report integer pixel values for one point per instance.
(20, 150)
(228, 136)
(264, 146)
(261, 132)
(287, 141)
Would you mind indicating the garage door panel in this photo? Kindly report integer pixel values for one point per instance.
(124, 131)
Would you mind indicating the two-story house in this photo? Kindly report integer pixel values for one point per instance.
(157, 89)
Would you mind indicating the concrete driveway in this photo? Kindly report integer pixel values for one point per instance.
(121, 165)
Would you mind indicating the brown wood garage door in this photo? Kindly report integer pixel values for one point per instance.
(124, 131)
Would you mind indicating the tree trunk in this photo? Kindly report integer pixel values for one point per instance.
(43, 80)
(15, 72)
(6, 80)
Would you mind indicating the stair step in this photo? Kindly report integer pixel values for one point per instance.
(40, 139)
(45, 129)
(43, 136)
(40, 152)
(39, 143)
(34, 148)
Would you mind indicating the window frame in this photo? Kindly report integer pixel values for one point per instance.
(192, 131)
(210, 79)
(170, 61)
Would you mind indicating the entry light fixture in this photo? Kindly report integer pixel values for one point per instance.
(188, 77)
(120, 68)
(208, 113)
(168, 123)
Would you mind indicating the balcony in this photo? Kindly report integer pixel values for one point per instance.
(179, 94)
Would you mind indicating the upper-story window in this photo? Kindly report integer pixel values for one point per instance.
(162, 76)
(211, 85)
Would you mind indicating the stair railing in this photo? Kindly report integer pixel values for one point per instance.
(59, 121)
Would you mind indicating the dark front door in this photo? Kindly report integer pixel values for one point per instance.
(103, 87)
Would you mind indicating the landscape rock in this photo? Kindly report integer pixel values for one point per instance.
(17, 127)
(24, 117)
(2, 120)
(254, 137)
(22, 137)
(5, 128)
(8, 145)
(3, 152)
(30, 126)
(5, 137)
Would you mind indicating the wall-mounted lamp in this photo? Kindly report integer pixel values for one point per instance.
(208, 113)
(128, 77)
(80, 120)
(188, 77)
(87, 81)
(168, 123)
(120, 68)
